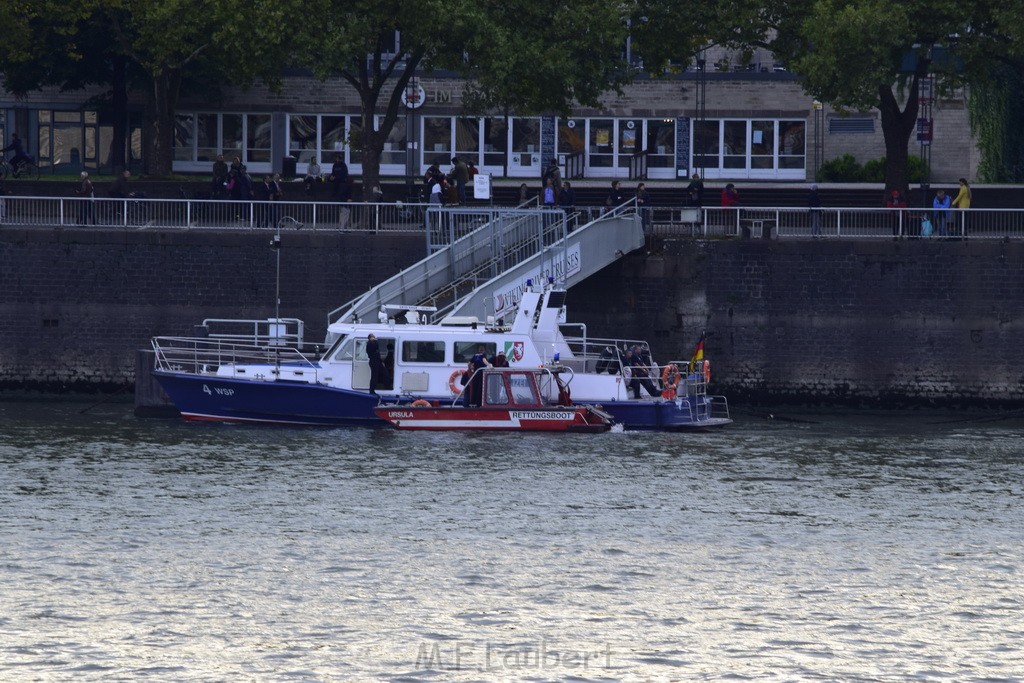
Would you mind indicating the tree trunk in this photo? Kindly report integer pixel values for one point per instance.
(896, 129)
(119, 104)
(159, 161)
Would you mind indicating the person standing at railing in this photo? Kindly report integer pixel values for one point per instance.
(549, 193)
(814, 211)
(896, 201)
(460, 176)
(695, 191)
(730, 202)
(963, 201)
(940, 206)
(313, 176)
(339, 179)
(276, 195)
(220, 177)
(643, 207)
(567, 202)
(261, 193)
(555, 174)
(617, 197)
(86, 207)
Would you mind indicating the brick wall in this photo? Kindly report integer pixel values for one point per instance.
(874, 322)
(77, 303)
(855, 322)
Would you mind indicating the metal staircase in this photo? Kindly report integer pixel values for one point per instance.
(480, 258)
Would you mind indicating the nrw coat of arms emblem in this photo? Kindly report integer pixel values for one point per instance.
(514, 351)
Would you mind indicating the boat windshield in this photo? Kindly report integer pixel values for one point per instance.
(345, 353)
(522, 388)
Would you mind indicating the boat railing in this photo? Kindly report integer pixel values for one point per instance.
(259, 332)
(596, 354)
(220, 357)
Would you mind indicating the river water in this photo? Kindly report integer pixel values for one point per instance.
(826, 546)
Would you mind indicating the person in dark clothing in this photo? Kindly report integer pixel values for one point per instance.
(245, 185)
(19, 153)
(120, 189)
(376, 364)
(695, 191)
(500, 361)
(639, 373)
(475, 388)
(220, 177)
(262, 194)
(616, 197)
(339, 177)
(814, 211)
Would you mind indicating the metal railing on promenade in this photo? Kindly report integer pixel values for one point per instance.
(837, 223)
(708, 222)
(195, 214)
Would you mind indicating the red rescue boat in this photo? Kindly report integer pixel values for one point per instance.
(504, 399)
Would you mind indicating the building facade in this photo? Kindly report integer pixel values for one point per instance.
(752, 124)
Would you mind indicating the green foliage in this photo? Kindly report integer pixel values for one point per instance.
(996, 105)
(845, 169)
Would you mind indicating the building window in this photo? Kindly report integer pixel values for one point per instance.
(749, 148)
(572, 136)
(661, 143)
(257, 137)
(467, 139)
(495, 141)
(792, 154)
(396, 144)
(184, 133)
(303, 138)
(437, 139)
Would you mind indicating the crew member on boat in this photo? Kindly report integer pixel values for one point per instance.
(475, 390)
(500, 361)
(376, 364)
(640, 373)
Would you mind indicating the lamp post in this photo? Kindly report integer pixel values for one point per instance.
(275, 244)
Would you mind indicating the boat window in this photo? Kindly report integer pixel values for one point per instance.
(496, 393)
(334, 348)
(465, 350)
(423, 352)
(360, 350)
(522, 388)
(344, 346)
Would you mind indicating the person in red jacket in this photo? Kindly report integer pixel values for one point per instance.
(896, 201)
(730, 201)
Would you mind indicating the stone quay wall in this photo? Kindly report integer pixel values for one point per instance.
(914, 322)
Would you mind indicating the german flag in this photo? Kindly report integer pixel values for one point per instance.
(698, 353)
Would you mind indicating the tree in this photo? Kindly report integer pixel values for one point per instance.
(855, 54)
(534, 57)
(157, 45)
(234, 41)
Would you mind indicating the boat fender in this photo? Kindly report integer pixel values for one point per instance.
(453, 385)
(707, 371)
(420, 403)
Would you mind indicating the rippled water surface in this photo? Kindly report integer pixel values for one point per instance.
(833, 547)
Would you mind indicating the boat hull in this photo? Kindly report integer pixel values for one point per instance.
(223, 399)
(492, 419)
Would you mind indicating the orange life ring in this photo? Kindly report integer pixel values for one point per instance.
(456, 389)
(420, 403)
(707, 371)
(670, 377)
